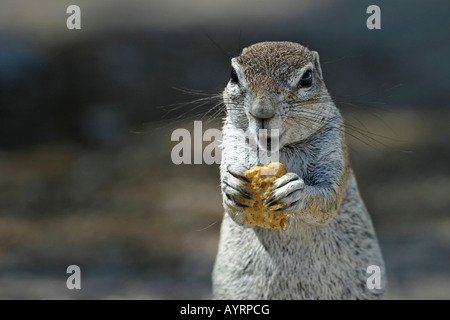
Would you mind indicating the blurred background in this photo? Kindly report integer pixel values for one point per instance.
(86, 176)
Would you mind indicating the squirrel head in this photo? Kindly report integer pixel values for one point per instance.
(278, 85)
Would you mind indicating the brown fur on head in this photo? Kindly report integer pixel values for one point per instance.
(269, 65)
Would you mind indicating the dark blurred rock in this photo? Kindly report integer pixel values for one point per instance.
(103, 126)
(20, 62)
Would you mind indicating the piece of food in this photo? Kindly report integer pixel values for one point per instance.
(261, 184)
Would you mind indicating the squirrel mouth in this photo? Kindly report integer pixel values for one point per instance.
(269, 143)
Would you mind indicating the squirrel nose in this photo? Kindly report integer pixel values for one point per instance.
(261, 109)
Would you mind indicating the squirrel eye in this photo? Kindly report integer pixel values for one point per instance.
(306, 79)
(234, 76)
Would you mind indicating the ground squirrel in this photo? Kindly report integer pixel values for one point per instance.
(330, 242)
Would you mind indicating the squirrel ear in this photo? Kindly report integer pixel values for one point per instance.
(316, 61)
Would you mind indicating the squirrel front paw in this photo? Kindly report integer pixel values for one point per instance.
(287, 191)
(233, 187)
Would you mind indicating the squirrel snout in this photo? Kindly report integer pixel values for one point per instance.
(261, 109)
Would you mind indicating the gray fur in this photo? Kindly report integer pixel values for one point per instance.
(330, 241)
